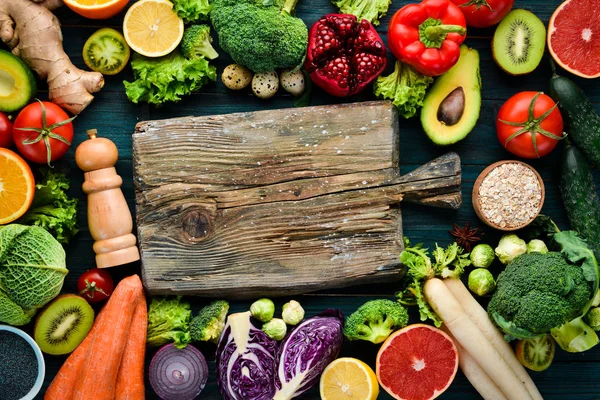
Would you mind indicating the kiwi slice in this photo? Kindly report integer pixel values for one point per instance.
(519, 42)
(106, 52)
(63, 324)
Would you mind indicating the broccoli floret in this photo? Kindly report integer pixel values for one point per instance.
(538, 292)
(375, 320)
(260, 35)
(371, 10)
(196, 43)
(208, 325)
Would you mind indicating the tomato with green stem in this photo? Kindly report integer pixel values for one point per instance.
(43, 132)
(95, 285)
(484, 13)
(6, 131)
(529, 125)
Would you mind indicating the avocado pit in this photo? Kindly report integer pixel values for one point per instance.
(451, 109)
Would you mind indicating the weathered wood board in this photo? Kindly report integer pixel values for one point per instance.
(277, 202)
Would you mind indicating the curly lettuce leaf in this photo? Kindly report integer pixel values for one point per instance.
(169, 321)
(192, 10)
(371, 10)
(52, 209)
(164, 79)
(405, 87)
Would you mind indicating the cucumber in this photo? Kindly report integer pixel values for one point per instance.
(582, 122)
(579, 197)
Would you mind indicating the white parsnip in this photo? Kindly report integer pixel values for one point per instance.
(478, 314)
(469, 336)
(481, 381)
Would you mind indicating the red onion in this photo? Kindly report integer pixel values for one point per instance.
(178, 374)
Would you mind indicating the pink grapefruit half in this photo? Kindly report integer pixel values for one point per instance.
(418, 362)
(574, 37)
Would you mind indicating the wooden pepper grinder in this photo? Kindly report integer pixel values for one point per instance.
(109, 219)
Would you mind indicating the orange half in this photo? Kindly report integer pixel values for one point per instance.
(97, 9)
(17, 186)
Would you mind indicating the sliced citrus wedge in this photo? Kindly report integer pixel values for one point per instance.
(348, 379)
(17, 186)
(152, 28)
(96, 9)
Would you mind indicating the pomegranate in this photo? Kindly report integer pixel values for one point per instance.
(344, 55)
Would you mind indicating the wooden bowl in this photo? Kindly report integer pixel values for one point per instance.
(477, 204)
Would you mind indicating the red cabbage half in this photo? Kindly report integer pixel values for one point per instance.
(245, 361)
(306, 351)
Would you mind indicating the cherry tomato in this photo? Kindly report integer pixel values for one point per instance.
(6, 132)
(95, 285)
(484, 13)
(529, 125)
(43, 132)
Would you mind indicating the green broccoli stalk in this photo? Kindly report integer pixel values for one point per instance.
(375, 320)
(371, 10)
(405, 87)
(196, 42)
(260, 34)
(208, 325)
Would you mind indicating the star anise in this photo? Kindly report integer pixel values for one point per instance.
(465, 236)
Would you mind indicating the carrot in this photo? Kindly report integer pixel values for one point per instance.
(97, 379)
(469, 336)
(477, 376)
(478, 314)
(130, 380)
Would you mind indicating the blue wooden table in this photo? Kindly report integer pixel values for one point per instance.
(571, 376)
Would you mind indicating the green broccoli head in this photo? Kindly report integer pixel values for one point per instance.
(208, 325)
(538, 292)
(375, 320)
(196, 42)
(252, 33)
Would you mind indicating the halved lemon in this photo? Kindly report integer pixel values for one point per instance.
(17, 186)
(349, 379)
(152, 28)
(97, 9)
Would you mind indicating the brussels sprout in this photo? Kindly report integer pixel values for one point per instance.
(292, 313)
(275, 328)
(481, 281)
(510, 247)
(537, 246)
(593, 318)
(263, 309)
(482, 256)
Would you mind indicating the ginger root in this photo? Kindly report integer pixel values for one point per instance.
(33, 34)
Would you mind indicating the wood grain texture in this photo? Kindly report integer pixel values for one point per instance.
(239, 202)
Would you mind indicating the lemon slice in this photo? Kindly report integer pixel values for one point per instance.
(349, 379)
(152, 28)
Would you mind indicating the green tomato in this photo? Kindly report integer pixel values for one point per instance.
(263, 309)
(481, 281)
(292, 313)
(537, 246)
(275, 328)
(482, 256)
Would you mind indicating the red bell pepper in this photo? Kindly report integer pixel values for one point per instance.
(428, 35)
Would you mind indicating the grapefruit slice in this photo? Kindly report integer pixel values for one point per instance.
(574, 37)
(418, 362)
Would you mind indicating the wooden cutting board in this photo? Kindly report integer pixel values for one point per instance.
(277, 202)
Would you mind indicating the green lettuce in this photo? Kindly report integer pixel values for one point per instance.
(405, 87)
(169, 321)
(163, 79)
(371, 10)
(32, 271)
(192, 10)
(52, 209)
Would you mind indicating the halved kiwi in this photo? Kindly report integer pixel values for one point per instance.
(519, 42)
(63, 324)
(106, 51)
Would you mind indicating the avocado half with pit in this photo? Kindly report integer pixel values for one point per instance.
(17, 83)
(451, 107)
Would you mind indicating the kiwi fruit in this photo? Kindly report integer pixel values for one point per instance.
(519, 42)
(63, 324)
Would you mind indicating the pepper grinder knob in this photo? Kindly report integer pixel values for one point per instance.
(109, 219)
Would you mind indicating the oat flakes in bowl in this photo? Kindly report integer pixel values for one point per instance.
(508, 195)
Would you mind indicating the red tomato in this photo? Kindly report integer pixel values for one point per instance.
(484, 13)
(95, 285)
(6, 131)
(529, 125)
(43, 139)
